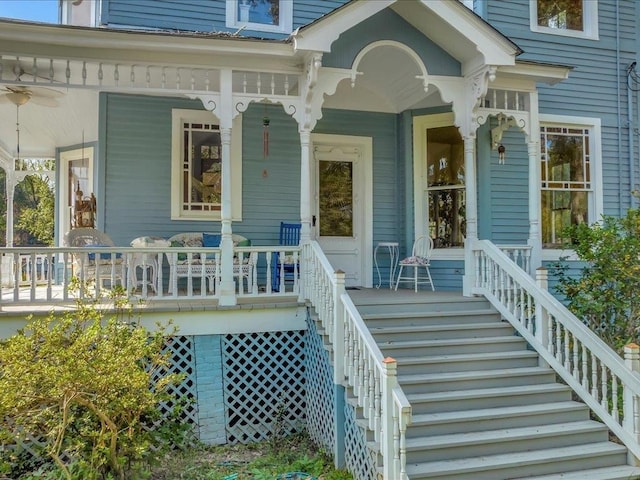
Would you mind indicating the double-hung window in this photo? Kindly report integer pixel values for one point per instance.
(575, 18)
(261, 15)
(570, 176)
(197, 166)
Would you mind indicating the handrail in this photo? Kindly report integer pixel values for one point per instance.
(589, 366)
(358, 362)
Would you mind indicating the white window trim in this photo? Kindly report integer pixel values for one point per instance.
(596, 204)
(420, 126)
(590, 19)
(286, 18)
(180, 116)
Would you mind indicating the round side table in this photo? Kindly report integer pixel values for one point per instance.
(394, 253)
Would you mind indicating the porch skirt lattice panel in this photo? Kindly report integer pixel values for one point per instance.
(264, 384)
(320, 390)
(360, 459)
(180, 350)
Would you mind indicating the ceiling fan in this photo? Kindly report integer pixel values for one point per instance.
(19, 95)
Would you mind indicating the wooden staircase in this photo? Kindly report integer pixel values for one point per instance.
(483, 405)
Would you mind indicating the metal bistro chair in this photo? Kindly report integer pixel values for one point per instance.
(420, 258)
(289, 235)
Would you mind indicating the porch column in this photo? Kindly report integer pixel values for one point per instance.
(472, 212)
(535, 239)
(305, 186)
(10, 186)
(227, 289)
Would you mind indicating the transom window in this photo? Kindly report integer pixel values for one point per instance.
(261, 15)
(567, 180)
(197, 166)
(565, 17)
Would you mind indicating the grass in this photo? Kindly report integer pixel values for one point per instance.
(261, 461)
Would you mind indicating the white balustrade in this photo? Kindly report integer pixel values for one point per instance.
(359, 363)
(589, 366)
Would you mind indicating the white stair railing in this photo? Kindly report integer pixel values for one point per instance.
(590, 367)
(358, 362)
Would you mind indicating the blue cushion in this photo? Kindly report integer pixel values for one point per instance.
(103, 256)
(211, 240)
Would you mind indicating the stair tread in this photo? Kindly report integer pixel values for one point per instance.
(414, 378)
(429, 313)
(437, 328)
(507, 460)
(494, 413)
(626, 472)
(491, 392)
(465, 357)
(449, 341)
(504, 435)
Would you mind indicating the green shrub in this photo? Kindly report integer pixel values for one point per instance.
(80, 385)
(605, 295)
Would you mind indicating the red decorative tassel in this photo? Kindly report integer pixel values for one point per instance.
(265, 136)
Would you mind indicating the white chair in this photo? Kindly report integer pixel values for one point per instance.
(103, 267)
(420, 258)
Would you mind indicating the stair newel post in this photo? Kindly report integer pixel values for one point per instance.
(338, 325)
(387, 446)
(542, 317)
(338, 328)
(631, 403)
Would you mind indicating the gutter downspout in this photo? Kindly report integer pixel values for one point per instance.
(631, 129)
(619, 114)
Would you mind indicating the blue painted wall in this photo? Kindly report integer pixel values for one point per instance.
(199, 15)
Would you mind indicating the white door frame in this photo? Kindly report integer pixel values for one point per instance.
(66, 157)
(365, 191)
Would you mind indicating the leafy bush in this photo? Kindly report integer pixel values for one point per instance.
(80, 385)
(605, 295)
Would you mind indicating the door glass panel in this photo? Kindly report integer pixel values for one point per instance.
(446, 187)
(335, 192)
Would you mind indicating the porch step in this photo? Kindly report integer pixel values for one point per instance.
(475, 379)
(513, 440)
(441, 332)
(489, 397)
(397, 319)
(523, 464)
(403, 301)
(400, 348)
(623, 472)
(467, 362)
(466, 421)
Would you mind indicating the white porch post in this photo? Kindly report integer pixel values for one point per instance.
(533, 149)
(10, 185)
(472, 212)
(305, 185)
(227, 289)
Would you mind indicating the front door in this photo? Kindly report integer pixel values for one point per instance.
(342, 212)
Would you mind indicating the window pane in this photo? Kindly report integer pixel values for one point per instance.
(336, 198)
(560, 209)
(446, 193)
(265, 12)
(561, 14)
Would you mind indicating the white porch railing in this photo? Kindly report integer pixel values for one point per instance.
(593, 370)
(40, 275)
(358, 362)
(520, 254)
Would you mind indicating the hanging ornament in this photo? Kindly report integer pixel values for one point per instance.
(265, 136)
(501, 154)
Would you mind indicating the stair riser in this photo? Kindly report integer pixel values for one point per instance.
(527, 470)
(398, 351)
(496, 447)
(467, 365)
(496, 330)
(469, 426)
(472, 384)
(459, 319)
(453, 405)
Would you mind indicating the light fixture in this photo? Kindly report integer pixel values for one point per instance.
(504, 123)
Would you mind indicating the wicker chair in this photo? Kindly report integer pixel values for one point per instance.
(101, 266)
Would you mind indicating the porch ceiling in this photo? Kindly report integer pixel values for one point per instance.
(43, 128)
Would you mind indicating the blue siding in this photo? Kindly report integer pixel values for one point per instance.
(200, 15)
(596, 86)
(387, 25)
